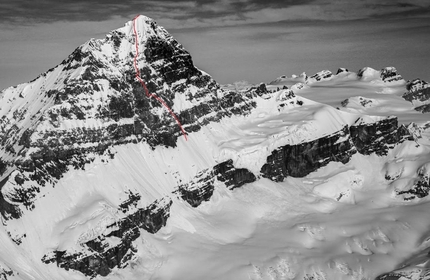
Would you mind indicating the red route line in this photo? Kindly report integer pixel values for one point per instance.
(149, 95)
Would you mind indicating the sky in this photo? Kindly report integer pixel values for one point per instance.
(232, 40)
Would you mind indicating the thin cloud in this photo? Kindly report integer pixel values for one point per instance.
(200, 13)
(40, 34)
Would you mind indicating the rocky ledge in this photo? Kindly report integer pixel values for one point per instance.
(366, 138)
(389, 74)
(421, 186)
(418, 93)
(5, 272)
(98, 256)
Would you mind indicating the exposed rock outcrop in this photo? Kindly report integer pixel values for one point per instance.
(366, 138)
(320, 76)
(301, 159)
(202, 186)
(8, 210)
(421, 187)
(5, 272)
(199, 189)
(98, 256)
(368, 73)
(417, 274)
(233, 177)
(362, 101)
(418, 93)
(417, 90)
(378, 137)
(389, 74)
(341, 70)
(423, 108)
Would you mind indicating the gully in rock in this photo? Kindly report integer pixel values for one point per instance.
(149, 95)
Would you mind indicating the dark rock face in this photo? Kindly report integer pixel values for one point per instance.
(390, 276)
(176, 62)
(301, 159)
(3, 166)
(233, 177)
(195, 196)
(201, 188)
(341, 70)
(151, 219)
(421, 188)
(5, 273)
(418, 90)
(133, 199)
(423, 108)
(214, 109)
(377, 137)
(362, 72)
(389, 74)
(101, 257)
(261, 89)
(7, 210)
(24, 196)
(365, 102)
(286, 98)
(320, 76)
(409, 272)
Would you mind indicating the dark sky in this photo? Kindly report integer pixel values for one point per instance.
(254, 40)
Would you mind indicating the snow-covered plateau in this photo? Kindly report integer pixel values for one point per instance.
(306, 177)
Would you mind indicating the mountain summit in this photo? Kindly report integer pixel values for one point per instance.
(96, 180)
(76, 116)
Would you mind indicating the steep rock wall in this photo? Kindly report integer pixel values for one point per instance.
(366, 138)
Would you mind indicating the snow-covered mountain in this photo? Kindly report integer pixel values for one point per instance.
(319, 177)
